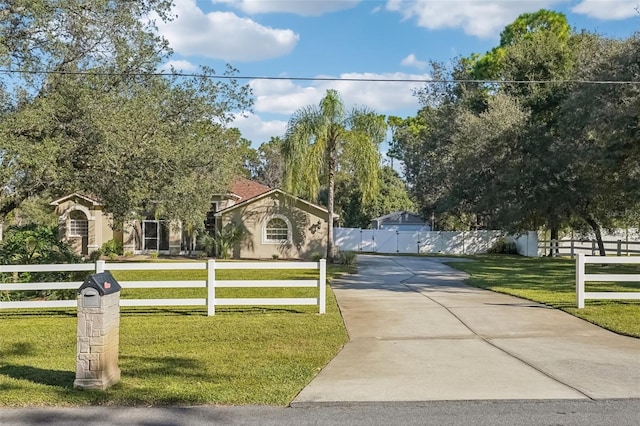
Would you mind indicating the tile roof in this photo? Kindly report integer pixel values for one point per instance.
(246, 189)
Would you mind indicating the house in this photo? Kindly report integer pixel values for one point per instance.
(271, 222)
(400, 221)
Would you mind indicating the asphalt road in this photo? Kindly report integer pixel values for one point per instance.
(441, 413)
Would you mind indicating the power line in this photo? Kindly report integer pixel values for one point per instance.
(348, 79)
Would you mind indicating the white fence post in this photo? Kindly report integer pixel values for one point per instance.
(322, 284)
(100, 266)
(580, 264)
(211, 287)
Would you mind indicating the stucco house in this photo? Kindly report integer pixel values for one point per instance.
(272, 223)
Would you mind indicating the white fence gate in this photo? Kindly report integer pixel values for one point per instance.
(445, 242)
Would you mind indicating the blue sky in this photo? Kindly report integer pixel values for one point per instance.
(391, 39)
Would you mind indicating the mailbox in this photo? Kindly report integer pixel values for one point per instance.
(98, 332)
(90, 298)
(96, 286)
(103, 282)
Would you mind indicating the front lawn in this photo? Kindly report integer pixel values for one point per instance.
(552, 281)
(242, 355)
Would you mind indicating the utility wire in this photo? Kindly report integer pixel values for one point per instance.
(352, 79)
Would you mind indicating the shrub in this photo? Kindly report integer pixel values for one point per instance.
(275, 256)
(95, 255)
(36, 244)
(112, 247)
(501, 246)
(208, 244)
(315, 257)
(221, 244)
(345, 258)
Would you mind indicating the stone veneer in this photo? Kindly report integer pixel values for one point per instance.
(98, 342)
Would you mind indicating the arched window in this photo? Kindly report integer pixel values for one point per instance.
(78, 224)
(277, 230)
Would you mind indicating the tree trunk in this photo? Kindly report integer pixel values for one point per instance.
(332, 179)
(596, 229)
(553, 248)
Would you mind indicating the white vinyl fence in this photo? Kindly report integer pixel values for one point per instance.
(582, 277)
(444, 242)
(211, 283)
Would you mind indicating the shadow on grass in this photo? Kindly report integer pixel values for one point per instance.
(39, 375)
(255, 310)
(19, 348)
(13, 313)
(144, 367)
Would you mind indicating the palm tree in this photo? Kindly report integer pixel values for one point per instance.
(321, 139)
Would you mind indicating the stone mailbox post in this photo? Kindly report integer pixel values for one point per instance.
(98, 332)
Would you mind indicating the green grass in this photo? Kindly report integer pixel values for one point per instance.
(552, 281)
(177, 275)
(242, 355)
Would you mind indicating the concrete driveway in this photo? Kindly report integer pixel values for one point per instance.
(417, 333)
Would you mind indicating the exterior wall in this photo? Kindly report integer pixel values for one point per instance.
(99, 230)
(223, 201)
(175, 238)
(308, 228)
(129, 237)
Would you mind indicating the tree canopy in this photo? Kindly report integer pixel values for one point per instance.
(534, 147)
(86, 111)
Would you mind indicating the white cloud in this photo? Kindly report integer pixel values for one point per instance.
(277, 100)
(477, 18)
(607, 9)
(298, 7)
(258, 130)
(223, 35)
(285, 96)
(179, 66)
(412, 61)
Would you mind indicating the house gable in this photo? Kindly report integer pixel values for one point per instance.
(77, 197)
(317, 210)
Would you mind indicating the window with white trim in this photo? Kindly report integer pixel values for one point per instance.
(78, 224)
(277, 230)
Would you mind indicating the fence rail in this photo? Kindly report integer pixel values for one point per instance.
(211, 283)
(590, 247)
(582, 277)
